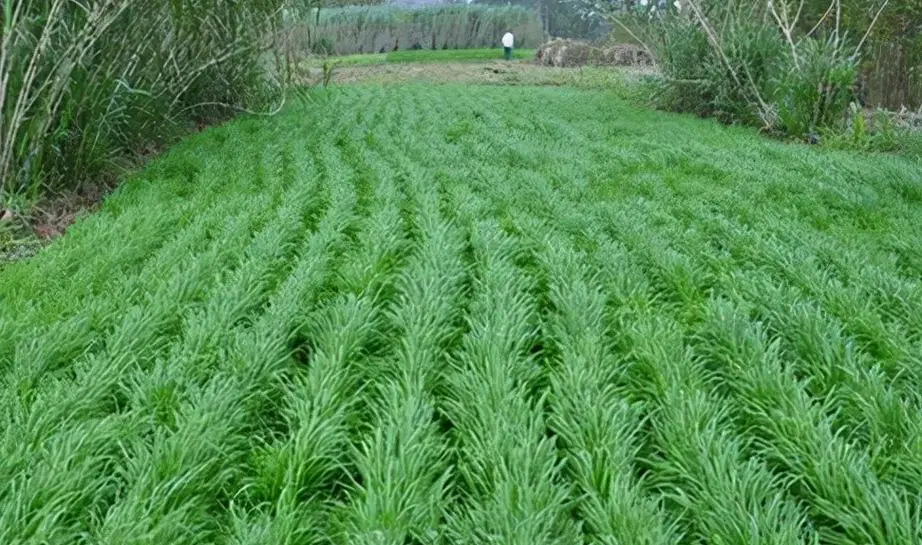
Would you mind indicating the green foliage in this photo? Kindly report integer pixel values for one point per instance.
(322, 46)
(380, 29)
(328, 67)
(815, 90)
(467, 314)
(86, 86)
(457, 55)
(698, 79)
(735, 64)
(874, 131)
(561, 18)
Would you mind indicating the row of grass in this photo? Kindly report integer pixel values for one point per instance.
(473, 314)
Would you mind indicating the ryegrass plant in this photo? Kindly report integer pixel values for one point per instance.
(597, 427)
(508, 468)
(472, 314)
(431, 56)
(401, 463)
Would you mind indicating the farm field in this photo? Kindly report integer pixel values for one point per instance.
(470, 67)
(473, 314)
(430, 56)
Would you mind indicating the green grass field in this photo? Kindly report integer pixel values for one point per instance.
(432, 56)
(460, 314)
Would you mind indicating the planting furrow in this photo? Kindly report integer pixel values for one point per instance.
(41, 412)
(598, 430)
(300, 464)
(871, 330)
(849, 504)
(869, 392)
(819, 350)
(84, 476)
(699, 463)
(857, 396)
(728, 498)
(508, 473)
(881, 320)
(92, 271)
(104, 386)
(875, 369)
(45, 349)
(143, 213)
(295, 472)
(864, 398)
(95, 312)
(380, 245)
(295, 457)
(569, 171)
(200, 401)
(399, 490)
(445, 314)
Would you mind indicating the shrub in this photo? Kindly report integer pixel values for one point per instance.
(816, 88)
(323, 46)
(85, 85)
(725, 83)
(869, 130)
(685, 59)
(734, 63)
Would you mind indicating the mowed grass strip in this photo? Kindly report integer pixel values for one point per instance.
(472, 314)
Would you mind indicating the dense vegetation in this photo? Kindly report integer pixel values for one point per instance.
(86, 85)
(794, 67)
(473, 314)
(562, 18)
(378, 29)
(892, 62)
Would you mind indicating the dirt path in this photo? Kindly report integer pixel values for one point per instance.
(490, 73)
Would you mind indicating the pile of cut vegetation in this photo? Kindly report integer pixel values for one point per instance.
(562, 52)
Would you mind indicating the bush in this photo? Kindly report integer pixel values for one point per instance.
(749, 72)
(726, 83)
(686, 62)
(869, 130)
(83, 86)
(814, 90)
(323, 46)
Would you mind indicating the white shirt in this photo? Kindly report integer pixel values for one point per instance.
(507, 39)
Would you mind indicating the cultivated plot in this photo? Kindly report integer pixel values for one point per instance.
(473, 315)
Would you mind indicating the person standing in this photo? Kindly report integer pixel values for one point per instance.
(508, 41)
